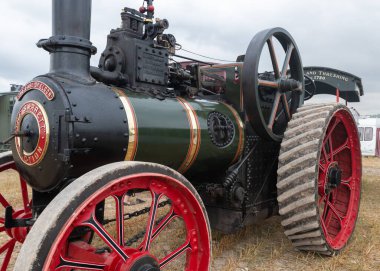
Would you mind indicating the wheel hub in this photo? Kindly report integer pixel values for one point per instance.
(145, 263)
(334, 176)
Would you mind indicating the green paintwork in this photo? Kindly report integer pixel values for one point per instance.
(233, 74)
(164, 134)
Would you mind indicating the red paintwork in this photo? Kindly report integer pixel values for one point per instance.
(15, 234)
(339, 208)
(184, 204)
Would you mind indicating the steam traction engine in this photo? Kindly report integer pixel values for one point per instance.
(126, 165)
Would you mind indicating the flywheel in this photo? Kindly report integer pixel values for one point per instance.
(273, 87)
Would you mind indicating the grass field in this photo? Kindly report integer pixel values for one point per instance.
(265, 247)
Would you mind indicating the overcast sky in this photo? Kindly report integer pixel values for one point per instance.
(341, 34)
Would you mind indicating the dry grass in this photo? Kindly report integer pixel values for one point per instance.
(264, 246)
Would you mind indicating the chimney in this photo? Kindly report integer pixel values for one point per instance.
(70, 47)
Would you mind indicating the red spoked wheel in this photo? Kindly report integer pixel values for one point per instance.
(319, 178)
(124, 216)
(339, 180)
(14, 197)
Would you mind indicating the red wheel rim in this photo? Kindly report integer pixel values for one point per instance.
(67, 255)
(14, 235)
(339, 200)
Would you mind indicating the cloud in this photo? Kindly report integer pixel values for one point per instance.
(337, 34)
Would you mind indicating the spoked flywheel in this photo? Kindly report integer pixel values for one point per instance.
(123, 216)
(15, 205)
(271, 97)
(319, 178)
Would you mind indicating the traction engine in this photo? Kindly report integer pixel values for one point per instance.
(128, 165)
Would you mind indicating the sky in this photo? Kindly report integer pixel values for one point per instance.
(340, 34)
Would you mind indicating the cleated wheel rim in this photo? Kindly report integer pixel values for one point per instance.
(117, 181)
(319, 178)
(10, 237)
(339, 180)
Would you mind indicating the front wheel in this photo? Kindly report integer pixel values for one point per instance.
(123, 216)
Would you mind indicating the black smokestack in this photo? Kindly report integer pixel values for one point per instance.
(70, 47)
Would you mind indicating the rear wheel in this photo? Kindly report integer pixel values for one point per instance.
(123, 216)
(319, 178)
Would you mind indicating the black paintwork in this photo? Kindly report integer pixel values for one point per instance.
(327, 80)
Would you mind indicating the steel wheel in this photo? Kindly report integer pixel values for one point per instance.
(74, 232)
(319, 178)
(270, 98)
(20, 204)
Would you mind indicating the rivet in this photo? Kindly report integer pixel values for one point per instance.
(95, 139)
(125, 120)
(84, 139)
(74, 104)
(121, 107)
(77, 135)
(126, 134)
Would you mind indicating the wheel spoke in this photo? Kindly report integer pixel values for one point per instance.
(164, 223)
(287, 59)
(335, 211)
(79, 265)
(152, 218)
(266, 83)
(330, 131)
(273, 57)
(276, 102)
(325, 206)
(325, 153)
(322, 199)
(3, 201)
(348, 183)
(341, 147)
(175, 254)
(286, 106)
(120, 219)
(103, 234)
(9, 246)
(331, 149)
(321, 166)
